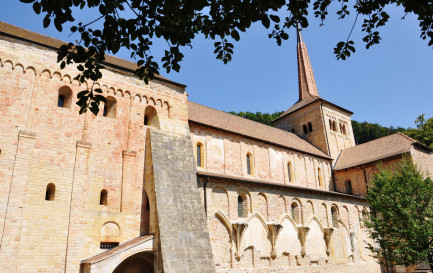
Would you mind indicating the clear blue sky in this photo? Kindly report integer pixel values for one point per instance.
(389, 84)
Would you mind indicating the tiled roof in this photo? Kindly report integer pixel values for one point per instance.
(374, 150)
(224, 121)
(52, 43)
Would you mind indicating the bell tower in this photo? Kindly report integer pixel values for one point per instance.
(322, 123)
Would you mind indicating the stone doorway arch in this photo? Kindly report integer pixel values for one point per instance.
(141, 262)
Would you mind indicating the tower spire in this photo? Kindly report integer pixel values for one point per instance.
(307, 83)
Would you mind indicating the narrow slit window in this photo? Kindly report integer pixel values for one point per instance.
(50, 192)
(249, 164)
(304, 129)
(289, 171)
(349, 188)
(199, 151)
(103, 198)
(240, 207)
(310, 127)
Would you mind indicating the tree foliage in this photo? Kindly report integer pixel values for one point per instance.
(423, 131)
(265, 118)
(365, 131)
(135, 24)
(401, 215)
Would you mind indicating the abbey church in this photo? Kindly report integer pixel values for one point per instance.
(157, 183)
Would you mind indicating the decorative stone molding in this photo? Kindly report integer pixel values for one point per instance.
(327, 232)
(274, 230)
(238, 228)
(302, 234)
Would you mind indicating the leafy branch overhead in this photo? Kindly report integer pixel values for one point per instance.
(135, 24)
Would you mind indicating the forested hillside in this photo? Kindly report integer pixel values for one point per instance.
(364, 131)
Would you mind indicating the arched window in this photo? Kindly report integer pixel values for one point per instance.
(242, 206)
(150, 116)
(334, 214)
(304, 129)
(110, 107)
(349, 189)
(310, 127)
(330, 124)
(249, 164)
(50, 192)
(199, 155)
(334, 126)
(65, 97)
(103, 197)
(344, 129)
(296, 213)
(290, 171)
(320, 177)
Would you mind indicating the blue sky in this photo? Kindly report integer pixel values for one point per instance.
(389, 84)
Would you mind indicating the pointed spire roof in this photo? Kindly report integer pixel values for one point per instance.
(307, 83)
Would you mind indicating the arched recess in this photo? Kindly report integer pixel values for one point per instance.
(281, 206)
(220, 200)
(139, 262)
(256, 235)
(64, 99)
(262, 205)
(246, 203)
(151, 117)
(315, 245)
(220, 233)
(288, 241)
(340, 243)
(110, 107)
(308, 211)
(296, 211)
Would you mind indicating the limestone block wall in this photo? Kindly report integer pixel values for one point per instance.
(310, 114)
(424, 159)
(226, 153)
(80, 154)
(272, 238)
(338, 139)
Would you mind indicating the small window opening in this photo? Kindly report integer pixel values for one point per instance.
(249, 164)
(199, 155)
(150, 116)
(296, 213)
(349, 188)
(289, 171)
(50, 192)
(320, 177)
(147, 204)
(292, 130)
(65, 97)
(330, 124)
(108, 245)
(304, 129)
(110, 107)
(334, 214)
(334, 126)
(310, 127)
(242, 206)
(103, 198)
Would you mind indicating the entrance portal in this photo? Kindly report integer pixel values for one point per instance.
(141, 262)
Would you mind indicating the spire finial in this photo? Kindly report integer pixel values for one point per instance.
(307, 83)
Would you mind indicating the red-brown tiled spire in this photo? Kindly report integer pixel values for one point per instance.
(307, 83)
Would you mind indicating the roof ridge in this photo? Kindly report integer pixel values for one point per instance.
(249, 120)
(408, 137)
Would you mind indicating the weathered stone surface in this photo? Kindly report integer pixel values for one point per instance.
(184, 236)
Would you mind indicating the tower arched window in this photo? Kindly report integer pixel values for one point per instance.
(304, 129)
(334, 126)
(349, 188)
(110, 107)
(320, 177)
(310, 127)
(290, 171)
(199, 155)
(296, 213)
(249, 162)
(65, 97)
(150, 116)
(330, 124)
(50, 192)
(334, 214)
(103, 197)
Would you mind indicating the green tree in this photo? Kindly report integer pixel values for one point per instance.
(135, 24)
(401, 215)
(423, 132)
(265, 118)
(364, 131)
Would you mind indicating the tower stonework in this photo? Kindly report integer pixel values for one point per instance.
(322, 123)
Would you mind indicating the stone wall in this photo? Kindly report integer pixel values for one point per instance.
(252, 250)
(81, 155)
(182, 231)
(225, 153)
